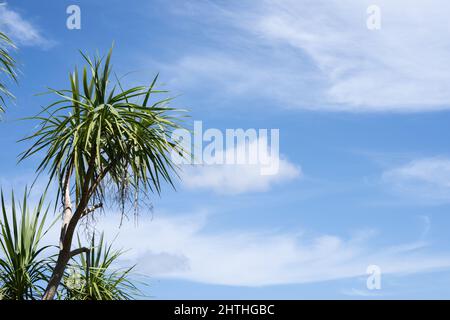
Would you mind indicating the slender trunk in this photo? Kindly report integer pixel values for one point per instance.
(58, 272)
(64, 250)
(70, 221)
(64, 253)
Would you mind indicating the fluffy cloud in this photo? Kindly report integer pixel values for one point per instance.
(423, 179)
(241, 178)
(179, 247)
(20, 30)
(321, 55)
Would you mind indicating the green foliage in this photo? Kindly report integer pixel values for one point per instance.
(22, 270)
(7, 67)
(97, 139)
(92, 277)
(96, 134)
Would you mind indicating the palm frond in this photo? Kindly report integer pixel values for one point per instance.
(96, 277)
(99, 132)
(7, 68)
(22, 270)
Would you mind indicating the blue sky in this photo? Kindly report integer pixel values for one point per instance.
(363, 118)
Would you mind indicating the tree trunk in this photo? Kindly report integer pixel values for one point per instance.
(65, 242)
(58, 272)
(64, 255)
(70, 221)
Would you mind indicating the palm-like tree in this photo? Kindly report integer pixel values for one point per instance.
(7, 67)
(23, 271)
(98, 139)
(94, 278)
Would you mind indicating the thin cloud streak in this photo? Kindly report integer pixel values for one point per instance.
(426, 180)
(22, 31)
(179, 247)
(320, 55)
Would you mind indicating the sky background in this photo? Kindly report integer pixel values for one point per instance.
(363, 118)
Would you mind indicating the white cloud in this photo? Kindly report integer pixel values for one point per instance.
(423, 179)
(403, 67)
(20, 30)
(181, 248)
(241, 178)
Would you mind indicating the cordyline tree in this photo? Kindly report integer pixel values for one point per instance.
(7, 68)
(100, 141)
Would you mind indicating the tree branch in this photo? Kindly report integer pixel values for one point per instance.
(78, 251)
(91, 209)
(100, 177)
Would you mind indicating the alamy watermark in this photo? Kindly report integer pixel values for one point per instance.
(233, 147)
(374, 279)
(73, 21)
(374, 17)
(74, 280)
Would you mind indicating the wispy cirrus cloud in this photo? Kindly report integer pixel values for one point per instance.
(22, 31)
(180, 247)
(320, 55)
(426, 179)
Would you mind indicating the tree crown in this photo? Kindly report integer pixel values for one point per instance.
(94, 134)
